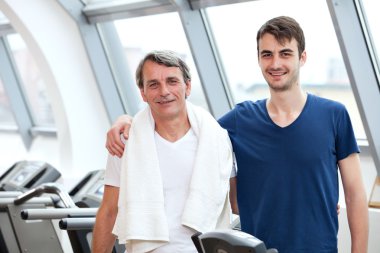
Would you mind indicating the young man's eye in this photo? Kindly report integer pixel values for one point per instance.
(287, 53)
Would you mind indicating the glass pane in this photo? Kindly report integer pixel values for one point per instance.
(164, 31)
(6, 116)
(33, 85)
(323, 74)
(371, 11)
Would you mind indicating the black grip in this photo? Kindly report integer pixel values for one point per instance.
(24, 214)
(63, 224)
(196, 241)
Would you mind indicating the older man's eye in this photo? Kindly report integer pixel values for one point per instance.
(153, 85)
(173, 81)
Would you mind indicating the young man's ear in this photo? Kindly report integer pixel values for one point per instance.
(303, 58)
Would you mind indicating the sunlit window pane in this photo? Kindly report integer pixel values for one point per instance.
(6, 116)
(33, 85)
(235, 27)
(371, 11)
(144, 34)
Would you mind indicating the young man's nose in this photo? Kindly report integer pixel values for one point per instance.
(276, 61)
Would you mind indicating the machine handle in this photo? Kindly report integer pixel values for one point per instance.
(41, 200)
(46, 188)
(77, 223)
(43, 213)
(9, 194)
(196, 241)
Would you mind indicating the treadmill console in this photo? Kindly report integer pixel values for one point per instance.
(89, 192)
(25, 175)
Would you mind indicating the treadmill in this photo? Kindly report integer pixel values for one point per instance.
(24, 175)
(86, 196)
(20, 177)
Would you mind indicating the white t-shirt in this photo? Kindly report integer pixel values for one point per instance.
(176, 164)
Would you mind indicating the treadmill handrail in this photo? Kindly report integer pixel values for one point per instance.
(4, 202)
(77, 223)
(9, 194)
(46, 188)
(43, 213)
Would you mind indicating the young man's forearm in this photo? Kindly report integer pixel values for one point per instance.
(357, 213)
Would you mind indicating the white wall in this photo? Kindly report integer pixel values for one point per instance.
(344, 240)
(12, 150)
(55, 42)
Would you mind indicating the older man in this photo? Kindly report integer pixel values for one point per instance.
(173, 179)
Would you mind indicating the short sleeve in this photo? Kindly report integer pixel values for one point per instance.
(112, 174)
(345, 141)
(234, 167)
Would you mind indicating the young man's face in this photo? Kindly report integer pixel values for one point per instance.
(164, 90)
(280, 64)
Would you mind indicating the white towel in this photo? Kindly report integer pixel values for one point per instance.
(141, 222)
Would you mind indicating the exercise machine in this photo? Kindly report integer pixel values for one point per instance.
(39, 235)
(20, 177)
(87, 196)
(17, 235)
(24, 175)
(229, 241)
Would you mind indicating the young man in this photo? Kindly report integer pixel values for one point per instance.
(288, 149)
(173, 178)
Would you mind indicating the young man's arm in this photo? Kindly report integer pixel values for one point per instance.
(356, 201)
(114, 144)
(103, 240)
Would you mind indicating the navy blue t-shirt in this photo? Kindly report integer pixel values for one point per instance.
(287, 177)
